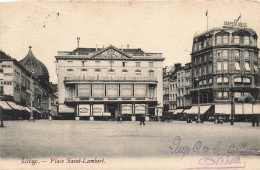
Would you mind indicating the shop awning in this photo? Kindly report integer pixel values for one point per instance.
(22, 107)
(5, 106)
(178, 111)
(195, 109)
(243, 109)
(34, 109)
(27, 109)
(256, 109)
(224, 109)
(13, 105)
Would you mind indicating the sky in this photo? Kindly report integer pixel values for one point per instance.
(166, 27)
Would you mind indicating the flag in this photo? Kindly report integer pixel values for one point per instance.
(207, 13)
(239, 17)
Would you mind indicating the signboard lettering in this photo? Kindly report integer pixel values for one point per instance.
(235, 24)
(126, 108)
(5, 83)
(84, 110)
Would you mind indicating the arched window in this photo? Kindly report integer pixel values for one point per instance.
(70, 72)
(124, 73)
(225, 80)
(238, 79)
(151, 73)
(111, 73)
(219, 80)
(137, 73)
(246, 80)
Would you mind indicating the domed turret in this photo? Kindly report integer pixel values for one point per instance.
(36, 67)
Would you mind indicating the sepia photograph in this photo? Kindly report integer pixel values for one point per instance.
(129, 85)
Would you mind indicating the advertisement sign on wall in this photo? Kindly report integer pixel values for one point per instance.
(98, 109)
(126, 108)
(159, 111)
(139, 108)
(84, 110)
(66, 109)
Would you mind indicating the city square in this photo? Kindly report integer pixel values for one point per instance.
(110, 140)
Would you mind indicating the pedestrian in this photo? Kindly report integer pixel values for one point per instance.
(142, 120)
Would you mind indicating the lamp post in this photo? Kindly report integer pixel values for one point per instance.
(232, 104)
(31, 115)
(198, 120)
(2, 121)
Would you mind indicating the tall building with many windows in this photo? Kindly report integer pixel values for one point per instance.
(224, 60)
(96, 83)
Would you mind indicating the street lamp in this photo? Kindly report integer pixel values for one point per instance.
(198, 120)
(2, 121)
(232, 103)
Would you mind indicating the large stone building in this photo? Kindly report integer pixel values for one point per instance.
(19, 88)
(224, 62)
(98, 83)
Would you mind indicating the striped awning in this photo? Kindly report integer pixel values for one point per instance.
(178, 111)
(13, 105)
(5, 106)
(195, 109)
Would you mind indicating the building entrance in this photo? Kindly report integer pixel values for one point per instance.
(113, 109)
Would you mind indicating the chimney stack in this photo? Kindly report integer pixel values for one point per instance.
(127, 46)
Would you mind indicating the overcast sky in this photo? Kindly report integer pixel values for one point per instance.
(163, 27)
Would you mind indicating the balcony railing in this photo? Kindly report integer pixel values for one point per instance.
(74, 99)
(107, 78)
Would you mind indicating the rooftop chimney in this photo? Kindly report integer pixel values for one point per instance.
(127, 46)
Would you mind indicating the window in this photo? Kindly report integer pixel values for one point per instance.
(218, 39)
(124, 64)
(111, 73)
(247, 66)
(220, 95)
(70, 72)
(219, 65)
(225, 39)
(137, 74)
(137, 64)
(236, 53)
(150, 64)
(209, 69)
(236, 39)
(225, 65)
(199, 45)
(237, 65)
(225, 94)
(238, 80)
(219, 80)
(84, 90)
(97, 63)
(246, 54)
(225, 53)
(210, 41)
(70, 63)
(151, 73)
(255, 66)
(204, 82)
(83, 63)
(219, 54)
(205, 44)
(246, 40)
(225, 79)
(237, 94)
(246, 80)
(124, 73)
(210, 81)
(83, 73)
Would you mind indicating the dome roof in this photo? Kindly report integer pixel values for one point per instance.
(31, 63)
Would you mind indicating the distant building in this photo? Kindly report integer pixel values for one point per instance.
(104, 83)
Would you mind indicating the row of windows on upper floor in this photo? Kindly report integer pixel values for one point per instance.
(225, 67)
(225, 54)
(110, 72)
(225, 40)
(110, 62)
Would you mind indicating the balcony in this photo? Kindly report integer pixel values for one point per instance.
(71, 80)
(105, 99)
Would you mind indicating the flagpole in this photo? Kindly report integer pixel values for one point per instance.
(207, 19)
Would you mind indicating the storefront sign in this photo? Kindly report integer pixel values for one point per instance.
(66, 109)
(5, 83)
(235, 24)
(8, 74)
(139, 108)
(7, 66)
(126, 108)
(98, 109)
(84, 110)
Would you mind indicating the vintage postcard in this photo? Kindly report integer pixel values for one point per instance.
(130, 85)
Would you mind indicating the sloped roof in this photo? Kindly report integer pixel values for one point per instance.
(31, 63)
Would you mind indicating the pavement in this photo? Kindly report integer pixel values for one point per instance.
(126, 142)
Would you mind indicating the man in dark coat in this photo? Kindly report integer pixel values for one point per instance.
(142, 120)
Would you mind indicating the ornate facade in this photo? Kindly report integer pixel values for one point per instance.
(97, 83)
